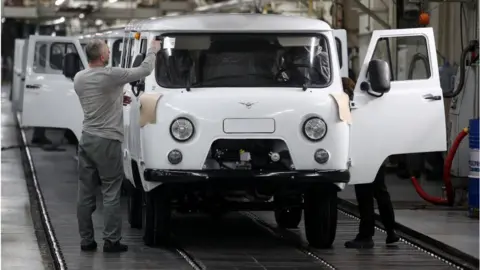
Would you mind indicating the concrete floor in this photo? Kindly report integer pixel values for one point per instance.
(452, 227)
(18, 232)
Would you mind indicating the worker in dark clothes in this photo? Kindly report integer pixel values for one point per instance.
(100, 157)
(365, 194)
(39, 136)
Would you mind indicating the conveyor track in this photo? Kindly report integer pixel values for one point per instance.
(247, 240)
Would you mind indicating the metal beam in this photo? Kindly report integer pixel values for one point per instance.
(20, 12)
(104, 13)
(372, 14)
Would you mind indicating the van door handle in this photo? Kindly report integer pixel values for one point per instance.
(432, 97)
(33, 86)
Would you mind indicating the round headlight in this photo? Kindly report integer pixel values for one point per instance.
(315, 129)
(181, 129)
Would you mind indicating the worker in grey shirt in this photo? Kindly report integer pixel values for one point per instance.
(100, 158)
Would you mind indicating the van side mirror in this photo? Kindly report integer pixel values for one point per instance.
(71, 65)
(379, 76)
(137, 61)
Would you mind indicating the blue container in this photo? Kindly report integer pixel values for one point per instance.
(473, 176)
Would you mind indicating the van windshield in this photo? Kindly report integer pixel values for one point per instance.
(243, 60)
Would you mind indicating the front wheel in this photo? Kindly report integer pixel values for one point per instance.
(157, 216)
(321, 216)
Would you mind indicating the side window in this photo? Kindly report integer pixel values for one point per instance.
(116, 53)
(123, 52)
(143, 45)
(143, 50)
(411, 61)
(339, 51)
(127, 52)
(40, 57)
(57, 53)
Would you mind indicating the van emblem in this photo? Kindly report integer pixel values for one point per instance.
(248, 104)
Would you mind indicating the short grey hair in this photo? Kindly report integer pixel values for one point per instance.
(94, 49)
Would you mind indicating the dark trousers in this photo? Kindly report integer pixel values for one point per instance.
(365, 194)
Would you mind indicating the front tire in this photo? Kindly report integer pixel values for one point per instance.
(157, 216)
(321, 216)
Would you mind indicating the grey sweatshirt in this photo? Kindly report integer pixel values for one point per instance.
(100, 91)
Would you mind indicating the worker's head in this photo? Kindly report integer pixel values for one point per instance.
(97, 52)
(348, 84)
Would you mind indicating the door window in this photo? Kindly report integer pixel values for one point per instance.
(338, 43)
(127, 52)
(58, 52)
(116, 53)
(40, 57)
(411, 62)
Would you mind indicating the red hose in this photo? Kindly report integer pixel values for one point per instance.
(446, 175)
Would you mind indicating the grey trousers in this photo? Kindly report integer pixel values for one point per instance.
(100, 165)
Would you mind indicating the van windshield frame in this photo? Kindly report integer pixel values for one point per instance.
(213, 60)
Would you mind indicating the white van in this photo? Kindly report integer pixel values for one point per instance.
(42, 95)
(247, 111)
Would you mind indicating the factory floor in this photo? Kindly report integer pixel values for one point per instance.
(451, 226)
(20, 249)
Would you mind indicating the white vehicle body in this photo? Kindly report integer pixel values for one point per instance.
(46, 95)
(48, 98)
(386, 117)
(354, 148)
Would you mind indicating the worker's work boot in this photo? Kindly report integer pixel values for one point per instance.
(114, 247)
(360, 243)
(392, 238)
(89, 247)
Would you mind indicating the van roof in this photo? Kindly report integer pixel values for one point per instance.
(229, 23)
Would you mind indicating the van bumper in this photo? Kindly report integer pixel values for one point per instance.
(246, 176)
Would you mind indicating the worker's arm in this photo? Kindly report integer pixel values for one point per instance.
(127, 75)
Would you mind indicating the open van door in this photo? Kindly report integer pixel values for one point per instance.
(49, 99)
(409, 116)
(342, 50)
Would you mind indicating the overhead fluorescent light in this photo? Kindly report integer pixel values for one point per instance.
(112, 1)
(59, 2)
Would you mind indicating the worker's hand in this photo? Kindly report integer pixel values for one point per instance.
(156, 45)
(126, 100)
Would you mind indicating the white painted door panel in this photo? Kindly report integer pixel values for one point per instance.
(49, 98)
(342, 48)
(402, 120)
